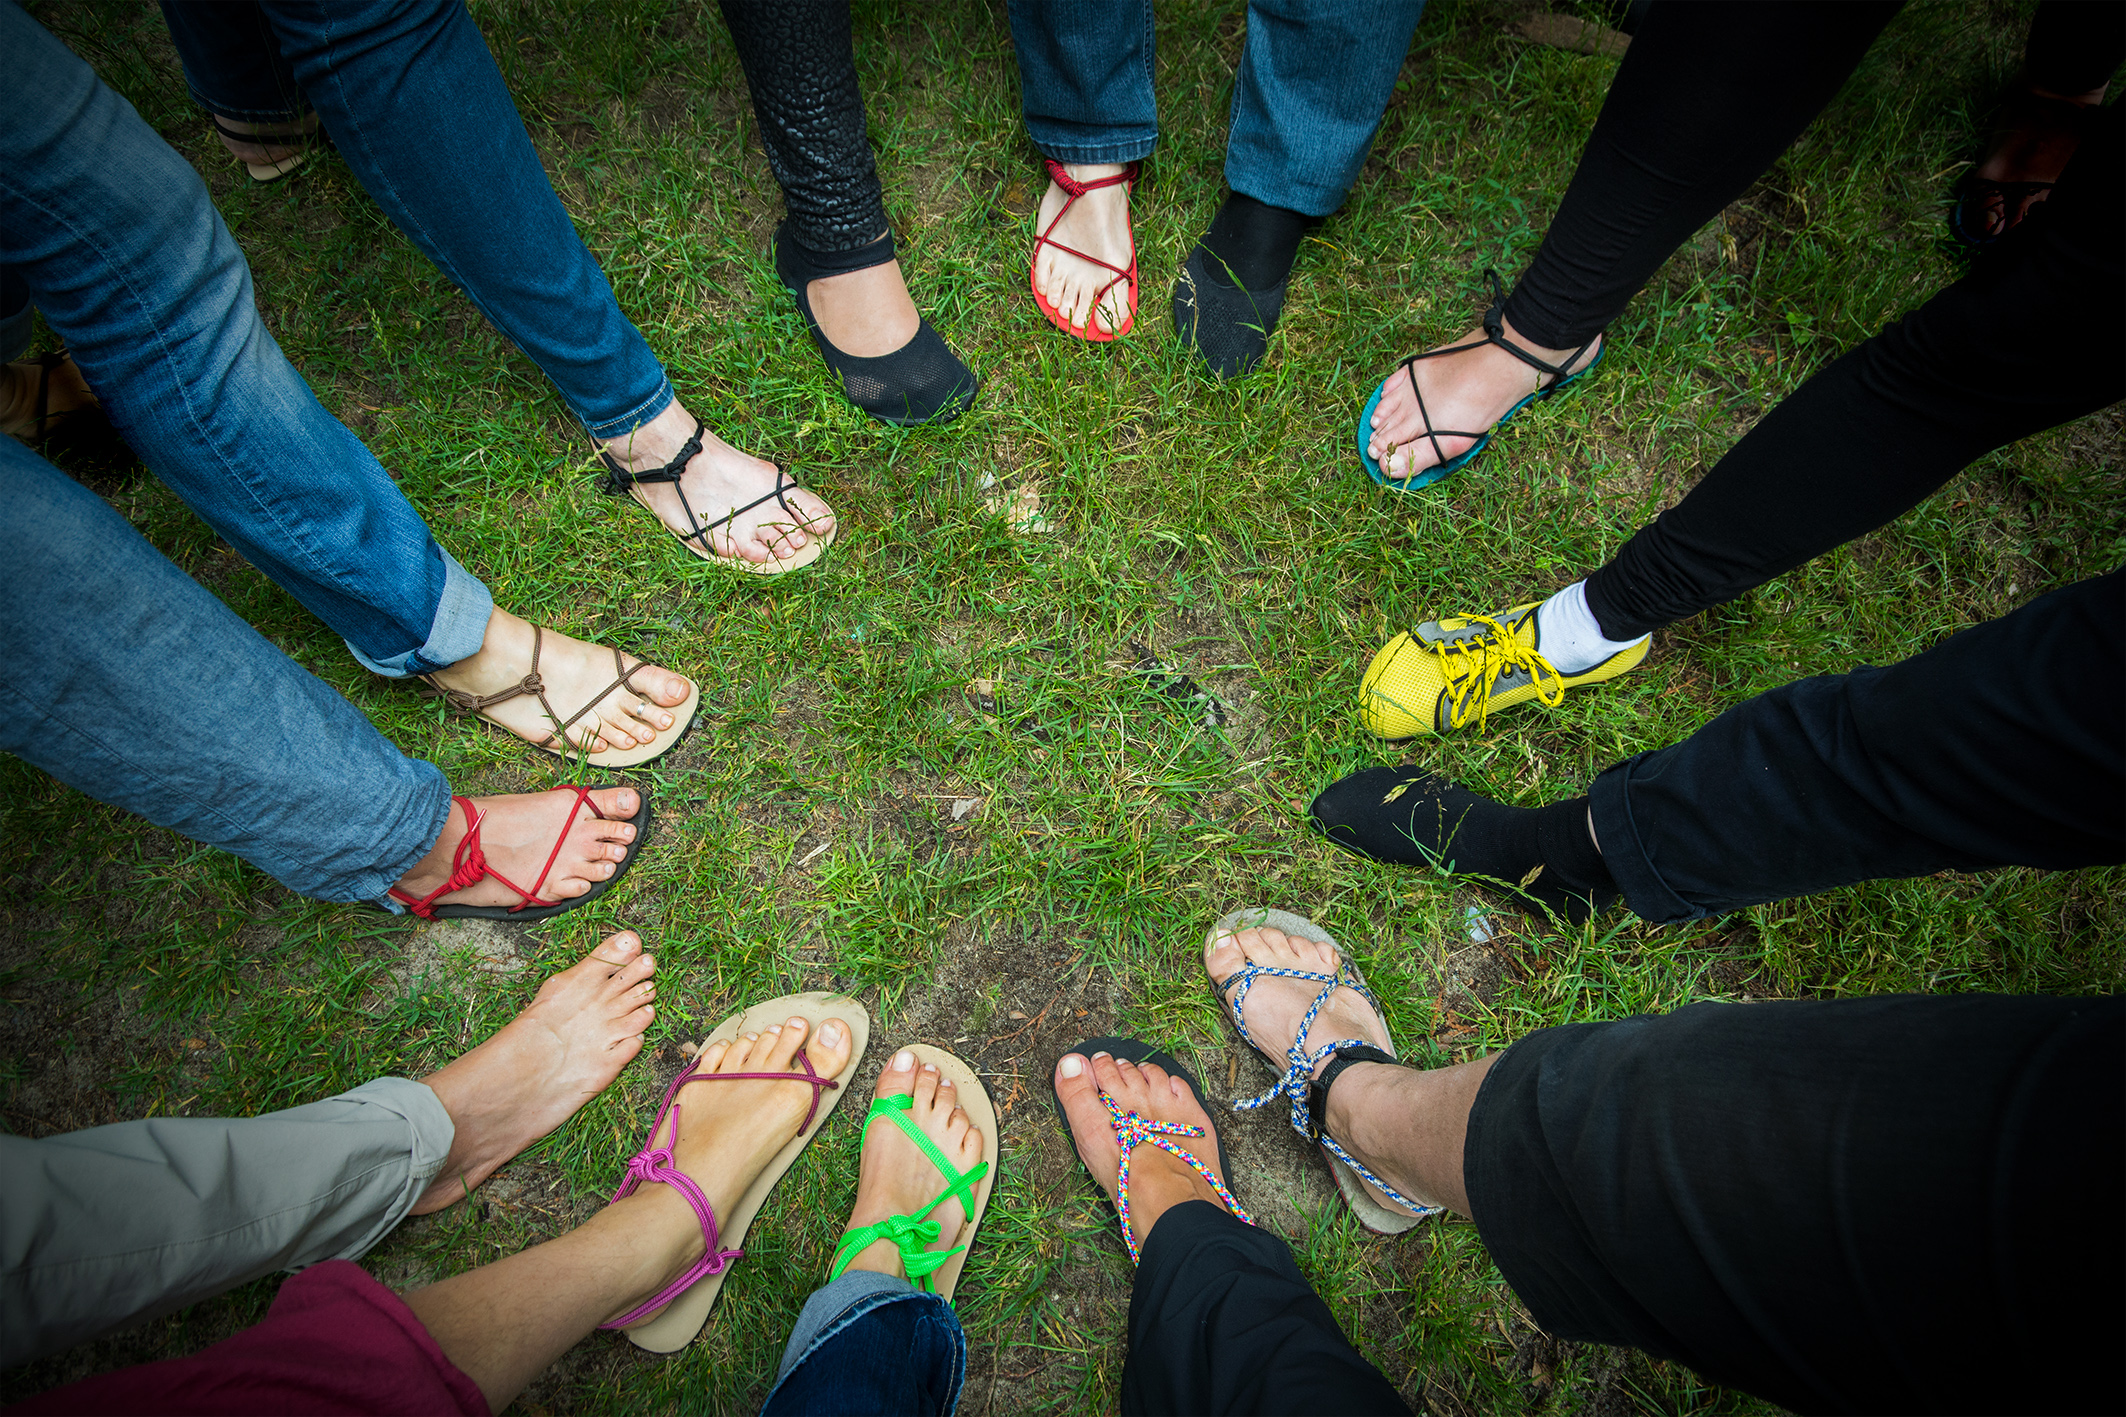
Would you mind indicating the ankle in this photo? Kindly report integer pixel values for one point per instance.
(1157, 1187)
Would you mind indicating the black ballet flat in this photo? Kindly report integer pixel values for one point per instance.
(921, 382)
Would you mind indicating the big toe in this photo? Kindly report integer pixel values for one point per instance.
(614, 949)
(616, 804)
(664, 687)
(1078, 1090)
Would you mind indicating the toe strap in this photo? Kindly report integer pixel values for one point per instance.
(1133, 1130)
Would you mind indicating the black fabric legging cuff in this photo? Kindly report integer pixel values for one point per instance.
(2075, 45)
(800, 63)
(1706, 99)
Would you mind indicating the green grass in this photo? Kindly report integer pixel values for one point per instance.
(1224, 526)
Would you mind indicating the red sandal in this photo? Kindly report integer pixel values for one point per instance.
(1077, 189)
(469, 867)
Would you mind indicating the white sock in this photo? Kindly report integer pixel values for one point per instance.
(1569, 636)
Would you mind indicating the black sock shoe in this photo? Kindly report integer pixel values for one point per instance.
(920, 382)
(1542, 857)
(1231, 291)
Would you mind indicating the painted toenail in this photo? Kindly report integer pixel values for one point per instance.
(903, 1061)
(1073, 1066)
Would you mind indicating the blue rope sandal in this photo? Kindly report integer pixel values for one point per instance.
(932, 1271)
(1309, 1095)
(1494, 333)
(1133, 1131)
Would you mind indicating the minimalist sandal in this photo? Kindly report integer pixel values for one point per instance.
(557, 742)
(935, 1271)
(1077, 189)
(620, 480)
(469, 867)
(1133, 1131)
(693, 1294)
(1494, 333)
(1309, 1096)
(308, 137)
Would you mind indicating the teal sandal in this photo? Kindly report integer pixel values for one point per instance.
(933, 1271)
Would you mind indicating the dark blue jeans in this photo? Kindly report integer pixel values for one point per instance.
(871, 1343)
(1315, 76)
(412, 98)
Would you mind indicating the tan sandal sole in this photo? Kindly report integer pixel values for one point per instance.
(815, 547)
(682, 719)
(682, 1320)
(974, 1100)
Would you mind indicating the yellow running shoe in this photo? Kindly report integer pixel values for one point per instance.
(1450, 673)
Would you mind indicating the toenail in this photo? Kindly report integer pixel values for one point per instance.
(903, 1061)
(831, 1035)
(1073, 1066)
(1098, 1056)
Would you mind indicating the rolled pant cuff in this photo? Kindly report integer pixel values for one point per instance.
(1625, 852)
(1123, 150)
(238, 114)
(635, 417)
(432, 1131)
(457, 632)
(833, 1307)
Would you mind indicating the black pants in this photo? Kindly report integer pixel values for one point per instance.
(2003, 745)
(1873, 1205)
(1220, 1321)
(800, 63)
(2074, 44)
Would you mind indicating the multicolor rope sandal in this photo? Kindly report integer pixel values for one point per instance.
(933, 1271)
(1309, 1095)
(1076, 189)
(1133, 1131)
(693, 1294)
(1494, 333)
(469, 867)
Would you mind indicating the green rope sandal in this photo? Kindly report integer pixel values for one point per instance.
(933, 1271)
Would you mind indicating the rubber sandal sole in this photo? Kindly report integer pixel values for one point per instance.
(1380, 1219)
(814, 548)
(1136, 1050)
(1468, 455)
(683, 1319)
(1091, 334)
(974, 1101)
(642, 821)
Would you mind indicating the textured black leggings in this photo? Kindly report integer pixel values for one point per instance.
(800, 63)
(2028, 340)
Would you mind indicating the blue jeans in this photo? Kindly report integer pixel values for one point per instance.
(871, 1343)
(412, 98)
(1315, 76)
(113, 236)
(122, 676)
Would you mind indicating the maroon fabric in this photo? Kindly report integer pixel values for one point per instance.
(335, 1341)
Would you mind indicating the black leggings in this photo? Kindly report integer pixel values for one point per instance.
(2026, 341)
(800, 63)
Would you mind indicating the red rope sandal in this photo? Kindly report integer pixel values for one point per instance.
(1077, 189)
(469, 867)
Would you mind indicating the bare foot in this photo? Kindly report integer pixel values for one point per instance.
(2035, 149)
(896, 1178)
(1097, 224)
(572, 1039)
(1158, 1181)
(1275, 1005)
(718, 480)
(727, 1133)
(517, 835)
(571, 672)
(1469, 392)
(66, 392)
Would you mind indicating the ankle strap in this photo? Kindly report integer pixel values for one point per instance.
(1062, 178)
(1495, 333)
(1344, 1054)
(618, 478)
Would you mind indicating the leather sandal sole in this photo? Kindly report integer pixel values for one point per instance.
(683, 1318)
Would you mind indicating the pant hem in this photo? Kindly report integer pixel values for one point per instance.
(635, 417)
(1624, 851)
(457, 632)
(1135, 150)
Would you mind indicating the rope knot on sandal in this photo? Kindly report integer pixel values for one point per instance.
(1133, 1130)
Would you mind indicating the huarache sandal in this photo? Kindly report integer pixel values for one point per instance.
(1076, 189)
(2037, 127)
(1309, 1095)
(557, 742)
(693, 1294)
(1133, 1131)
(1494, 333)
(469, 867)
(935, 1271)
(82, 427)
(619, 481)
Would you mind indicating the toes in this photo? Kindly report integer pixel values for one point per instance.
(632, 975)
(617, 803)
(926, 1086)
(829, 1051)
(1107, 1072)
(740, 1058)
(632, 1026)
(711, 1058)
(1078, 1088)
(784, 1043)
(897, 1076)
(671, 691)
(618, 949)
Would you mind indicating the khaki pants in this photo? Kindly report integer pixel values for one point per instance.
(108, 1227)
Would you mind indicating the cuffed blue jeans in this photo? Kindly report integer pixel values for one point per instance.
(1315, 77)
(114, 238)
(871, 1343)
(412, 98)
(122, 676)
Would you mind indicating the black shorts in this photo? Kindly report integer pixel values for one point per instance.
(1910, 1203)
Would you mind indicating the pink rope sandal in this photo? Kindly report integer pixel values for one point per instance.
(469, 867)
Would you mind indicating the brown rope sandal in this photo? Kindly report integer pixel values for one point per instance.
(618, 479)
(557, 742)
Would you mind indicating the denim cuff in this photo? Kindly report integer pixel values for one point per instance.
(834, 1306)
(1112, 147)
(457, 632)
(425, 817)
(635, 417)
(1625, 852)
(236, 113)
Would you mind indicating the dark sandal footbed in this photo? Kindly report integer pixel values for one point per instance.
(1136, 1050)
(642, 821)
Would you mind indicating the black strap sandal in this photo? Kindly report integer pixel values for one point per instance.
(1560, 376)
(620, 481)
(307, 142)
